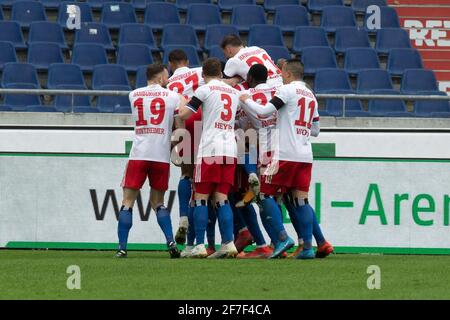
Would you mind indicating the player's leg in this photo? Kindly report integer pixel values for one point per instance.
(184, 197)
(242, 236)
(289, 205)
(187, 251)
(133, 180)
(159, 182)
(211, 229)
(269, 190)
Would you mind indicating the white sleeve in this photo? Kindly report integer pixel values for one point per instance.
(255, 108)
(233, 68)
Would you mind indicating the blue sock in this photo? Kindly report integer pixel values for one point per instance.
(292, 215)
(268, 226)
(200, 220)
(211, 228)
(250, 164)
(165, 223)
(272, 210)
(305, 219)
(225, 216)
(184, 195)
(249, 214)
(317, 231)
(191, 229)
(124, 226)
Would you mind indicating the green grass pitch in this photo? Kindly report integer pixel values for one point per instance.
(40, 274)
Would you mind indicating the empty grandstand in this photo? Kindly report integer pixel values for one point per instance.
(342, 55)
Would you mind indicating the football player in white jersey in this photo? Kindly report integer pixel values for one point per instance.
(154, 111)
(241, 58)
(291, 165)
(185, 81)
(217, 156)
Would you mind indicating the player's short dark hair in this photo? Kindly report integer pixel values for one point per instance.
(177, 56)
(295, 66)
(258, 72)
(212, 67)
(231, 40)
(154, 69)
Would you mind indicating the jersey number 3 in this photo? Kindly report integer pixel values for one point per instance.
(157, 110)
(227, 113)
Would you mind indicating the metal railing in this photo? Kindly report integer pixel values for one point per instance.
(344, 97)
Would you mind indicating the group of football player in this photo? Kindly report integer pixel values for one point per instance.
(240, 133)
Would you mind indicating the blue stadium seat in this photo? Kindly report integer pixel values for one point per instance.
(1, 13)
(98, 4)
(180, 35)
(109, 75)
(265, 35)
(319, 5)
(360, 6)
(43, 31)
(42, 54)
(108, 104)
(335, 107)
(142, 4)
(334, 17)
(10, 31)
(228, 5)
(309, 37)
(141, 77)
(391, 38)
(85, 13)
(24, 12)
(122, 109)
(115, 14)
(200, 16)
(289, 17)
(277, 52)
(244, 16)
(415, 80)
(88, 55)
(215, 33)
(217, 52)
(65, 74)
(137, 33)
(40, 108)
(183, 5)
(134, 55)
(95, 33)
(7, 53)
(387, 108)
(190, 51)
(85, 110)
(350, 37)
(357, 59)
(272, 5)
(158, 14)
(315, 58)
(51, 4)
(6, 3)
(433, 108)
(19, 102)
(19, 73)
(5, 108)
(331, 79)
(401, 59)
(371, 79)
(389, 19)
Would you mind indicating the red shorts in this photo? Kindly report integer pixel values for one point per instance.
(214, 174)
(138, 170)
(290, 176)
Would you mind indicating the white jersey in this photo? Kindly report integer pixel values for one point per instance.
(219, 103)
(185, 81)
(240, 64)
(294, 122)
(153, 110)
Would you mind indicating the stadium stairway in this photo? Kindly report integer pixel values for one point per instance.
(428, 23)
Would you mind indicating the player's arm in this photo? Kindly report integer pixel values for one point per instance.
(233, 81)
(178, 121)
(315, 125)
(231, 73)
(190, 108)
(255, 108)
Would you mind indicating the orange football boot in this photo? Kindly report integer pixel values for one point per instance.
(324, 250)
